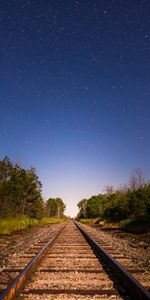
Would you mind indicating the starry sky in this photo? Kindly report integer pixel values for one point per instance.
(75, 92)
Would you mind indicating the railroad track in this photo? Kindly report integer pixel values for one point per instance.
(73, 266)
(140, 273)
(14, 246)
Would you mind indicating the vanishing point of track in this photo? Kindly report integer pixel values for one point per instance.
(73, 266)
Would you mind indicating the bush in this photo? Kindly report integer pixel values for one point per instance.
(135, 225)
(9, 225)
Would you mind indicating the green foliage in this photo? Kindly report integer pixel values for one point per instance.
(127, 204)
(88, 221)
(20, 196)
(11, 224)
(51, 207)
(8, 225)
(46, 220)
(55, 207)
(94, 206)
(117, 207)
(82, 205)
(135, 225)
(20, 191)
(139, 201)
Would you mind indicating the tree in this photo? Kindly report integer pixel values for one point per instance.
(127, 202)
(60, 207)
(82, 205)
(6, 168)
(20, 190)
(51, 207)
(55, 207)
(109, 190)
(136, 180)
(93, 207)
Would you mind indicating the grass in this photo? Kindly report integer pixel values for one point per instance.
(135, 225)
(46, 220)
(88, 221)
(99, 221)
(11, 224)
(129, 225)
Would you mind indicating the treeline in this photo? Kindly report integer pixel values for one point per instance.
(55, 207)
(132, 201)
(21, 193)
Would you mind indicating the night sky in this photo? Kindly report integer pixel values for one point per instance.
(75, 92)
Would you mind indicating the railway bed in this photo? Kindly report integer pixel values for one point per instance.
(72, 266)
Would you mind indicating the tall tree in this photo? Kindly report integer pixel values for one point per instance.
(51, 207)
(82, 205)
(6, 168)
(60, 207)
(20, 190)
(55, 207)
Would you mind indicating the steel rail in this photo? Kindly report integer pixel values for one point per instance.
(134, 288)
(15, 285)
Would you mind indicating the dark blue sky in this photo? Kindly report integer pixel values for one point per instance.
(75, 92)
